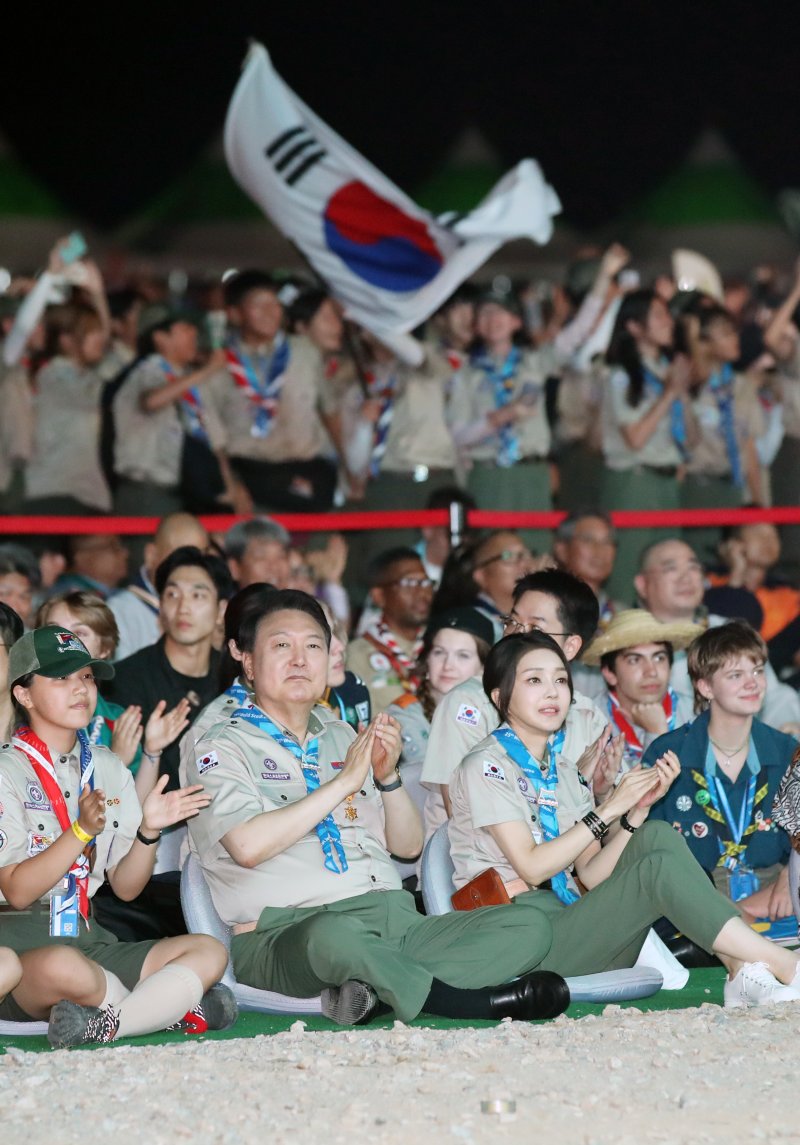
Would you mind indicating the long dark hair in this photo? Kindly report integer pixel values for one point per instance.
(500, 669)
(622, 349)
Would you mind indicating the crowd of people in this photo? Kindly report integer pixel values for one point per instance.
(605, 725)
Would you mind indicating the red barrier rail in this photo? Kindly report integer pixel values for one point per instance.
(406, 519)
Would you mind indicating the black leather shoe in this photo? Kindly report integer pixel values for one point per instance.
(540, 994)
(689, 954)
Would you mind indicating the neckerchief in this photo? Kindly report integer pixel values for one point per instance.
(546, 785)
(99, 730)
(239, 693)
(607, 610)
(327, 830)
(382, 638)
(634, 747)
(41, 761)
(677, 418)
(191, 405)
(260, 379)
(502, 381)
(383, 388)
(717, 808)
(721, 385)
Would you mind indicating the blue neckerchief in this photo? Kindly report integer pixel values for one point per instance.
(191, 405)
(721, 803)
(502, 380)
(265, 375)
(721, 385)
(514, 747)
(95, 729)
(327, 831)
(238, 691)
(386, 394)
(677, 420)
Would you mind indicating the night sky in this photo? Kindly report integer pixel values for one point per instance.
(607, 96)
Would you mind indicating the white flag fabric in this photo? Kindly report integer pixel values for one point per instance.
(389, 262)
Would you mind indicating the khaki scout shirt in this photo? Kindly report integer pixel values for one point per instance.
(472, 400)
(710, 455)
(418, 432)
(377, 671)
(297, 432)
(489, 788)
(16, 423)
(789, 374)
(29, 825)
(147, 446)
(247, 772)
(66, 451)
(658, 451)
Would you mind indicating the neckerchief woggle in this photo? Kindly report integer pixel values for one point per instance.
(502, 381)
(731, 850)
(677, 418)
(634, 746)
(721, 385)
(40, 760)
(327, 830)
(384, 390)
(262, 388)
(191, 405)
(546, 787)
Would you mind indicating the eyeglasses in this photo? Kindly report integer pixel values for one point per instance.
(515, 626)
(508, 557)
(598, 542)
(411, 582)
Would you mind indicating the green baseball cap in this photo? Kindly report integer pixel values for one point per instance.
(53, 651)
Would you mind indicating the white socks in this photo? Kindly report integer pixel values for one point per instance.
(115, 993)
(159, 1001)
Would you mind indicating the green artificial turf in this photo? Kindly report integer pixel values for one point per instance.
(703, 986)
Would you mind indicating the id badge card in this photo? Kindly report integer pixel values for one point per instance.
(64, 916)
(742, 881)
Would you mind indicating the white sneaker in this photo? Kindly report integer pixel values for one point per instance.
(756, 985)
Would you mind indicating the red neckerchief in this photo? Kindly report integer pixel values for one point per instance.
(627, 729)
(41, 761)
(382, 638)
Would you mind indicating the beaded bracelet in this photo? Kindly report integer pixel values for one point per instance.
(626, 825)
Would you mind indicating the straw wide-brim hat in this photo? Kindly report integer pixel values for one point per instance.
(637, 626)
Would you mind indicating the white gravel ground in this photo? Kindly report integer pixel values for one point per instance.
(627, 1077)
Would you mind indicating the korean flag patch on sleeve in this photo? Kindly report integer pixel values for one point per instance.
(466, 714)
(206, 762)
(493, 771)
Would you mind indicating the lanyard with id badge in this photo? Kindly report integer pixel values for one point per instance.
(742, 879)
(69, 899)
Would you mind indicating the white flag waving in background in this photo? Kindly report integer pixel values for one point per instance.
(389, 262)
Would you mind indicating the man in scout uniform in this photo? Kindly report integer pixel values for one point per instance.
(385, 657)
(635, 654)
(304, 815)
(268, 398)
(731, 767)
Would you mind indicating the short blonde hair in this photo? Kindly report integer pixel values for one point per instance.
(717, 647)
(91, 610)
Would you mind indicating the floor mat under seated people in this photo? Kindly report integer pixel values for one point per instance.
(703, 986)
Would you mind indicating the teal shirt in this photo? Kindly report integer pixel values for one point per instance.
(101, 728)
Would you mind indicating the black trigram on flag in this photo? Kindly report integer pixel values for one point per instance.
(293, 153)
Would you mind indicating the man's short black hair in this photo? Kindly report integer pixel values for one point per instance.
(381, 564)
(578, 610)
(239, 285)
(189, 556)
(283, 600)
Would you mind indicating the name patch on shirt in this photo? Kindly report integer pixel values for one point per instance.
(284, 775)
(206, 762)
(493, 771)
(468, 715)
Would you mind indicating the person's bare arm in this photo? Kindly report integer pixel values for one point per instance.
(779, 336)
(153, 400)
(638, 433)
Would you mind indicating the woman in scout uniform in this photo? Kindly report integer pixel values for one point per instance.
(71, 817)
(723, 471)
(517, 810)
(731, 767)
(111, 725)
(454, 649)
(648, 425)
(497, 415)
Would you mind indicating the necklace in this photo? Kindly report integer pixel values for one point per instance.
(729, 753)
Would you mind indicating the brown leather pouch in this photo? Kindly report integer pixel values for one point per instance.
(486, 889)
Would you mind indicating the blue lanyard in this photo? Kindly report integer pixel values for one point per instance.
(721, 385)
(677, 419)
(546, 787)
(721, 804)
(327, 830)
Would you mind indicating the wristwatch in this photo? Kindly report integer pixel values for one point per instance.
(390, 786)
